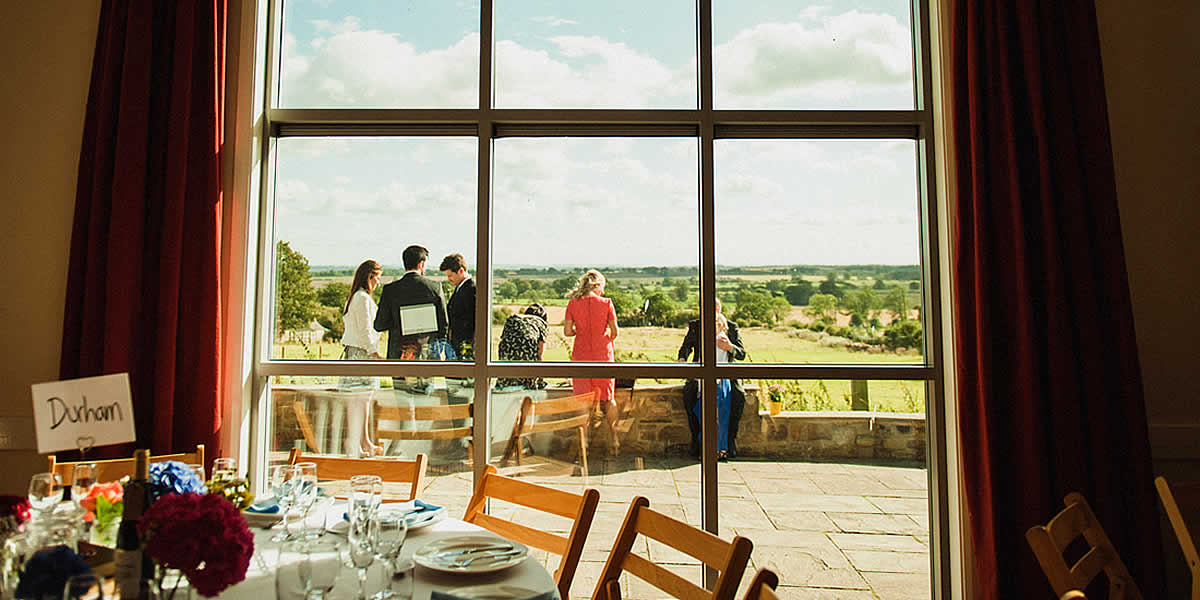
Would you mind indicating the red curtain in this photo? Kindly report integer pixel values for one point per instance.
(143, 294)
(1049, 382)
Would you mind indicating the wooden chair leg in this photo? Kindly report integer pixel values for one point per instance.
(305, 425)
(583, 449)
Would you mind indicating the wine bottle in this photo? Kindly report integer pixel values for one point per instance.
(130, 564)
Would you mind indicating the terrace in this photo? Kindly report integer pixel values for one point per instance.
(836, 503)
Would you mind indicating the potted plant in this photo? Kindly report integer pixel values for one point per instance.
(775, 398)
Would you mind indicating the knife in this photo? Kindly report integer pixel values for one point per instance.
(490, 548)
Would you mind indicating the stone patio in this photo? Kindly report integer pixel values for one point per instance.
(831, 529)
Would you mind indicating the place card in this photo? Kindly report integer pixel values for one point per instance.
(83, 413)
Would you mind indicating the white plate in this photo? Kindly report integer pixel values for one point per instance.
(262, 520)
(430, 555)
(501, 591)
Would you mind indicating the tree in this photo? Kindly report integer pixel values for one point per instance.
(759, 308)
(821, 307)
(798, 293)
(680, 290)
(296, 301)
(903, 334)
(563, 285)
(860, 304)
(660, 309)
(334, 294)
(880, 285)
(896, 301)
(507, 290)
(831, 287)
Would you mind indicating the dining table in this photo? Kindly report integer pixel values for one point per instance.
(527, 579)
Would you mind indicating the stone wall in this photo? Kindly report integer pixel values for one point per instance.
(653, 423)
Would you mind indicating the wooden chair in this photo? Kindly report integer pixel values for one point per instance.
(339, 468)
(729, 558)
(285, 398)
(409, 414)
(579, 508)
(763, 586)
(116, 468)
(538, 416)
(1191, 494)
(1048, 543)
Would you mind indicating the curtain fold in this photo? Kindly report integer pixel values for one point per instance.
(143, 293)
(1049, 380)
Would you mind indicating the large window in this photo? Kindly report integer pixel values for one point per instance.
(751, 177)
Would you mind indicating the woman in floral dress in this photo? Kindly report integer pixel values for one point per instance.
(524, 339)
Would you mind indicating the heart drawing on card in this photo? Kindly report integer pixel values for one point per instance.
(85, 442)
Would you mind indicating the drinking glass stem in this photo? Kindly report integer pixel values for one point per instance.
(362, 583)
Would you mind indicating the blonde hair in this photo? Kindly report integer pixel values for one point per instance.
(587, 282)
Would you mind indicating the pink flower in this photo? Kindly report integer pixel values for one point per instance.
(112, 491)
(203, 535)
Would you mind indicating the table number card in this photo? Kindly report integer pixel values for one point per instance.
(82, 413)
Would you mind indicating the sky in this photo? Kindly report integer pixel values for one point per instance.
(598, 201)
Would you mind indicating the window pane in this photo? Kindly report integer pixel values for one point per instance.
(643, 466)
(402, 417)
(379, 54)
(833, 497)
(614, 54)
(775, 54)
(626, 207)
(342, 201)
(818, 249)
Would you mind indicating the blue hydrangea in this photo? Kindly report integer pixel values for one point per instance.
(173, 477)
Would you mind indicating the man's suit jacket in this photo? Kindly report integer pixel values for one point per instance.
(690, 350)
(461, 311)
(407, 291)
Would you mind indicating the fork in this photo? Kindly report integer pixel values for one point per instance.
(494, 556)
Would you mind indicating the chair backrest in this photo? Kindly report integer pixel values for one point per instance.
(116, 468)
(763, 586)
(1049, 541)
(579, 508)
(339, 468)
(410, 414)
(555, 414)
(1191, 496)
(729, 558)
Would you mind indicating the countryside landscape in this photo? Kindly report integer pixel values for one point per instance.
(787, 314)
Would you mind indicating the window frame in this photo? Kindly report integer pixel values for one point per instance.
(705, 124)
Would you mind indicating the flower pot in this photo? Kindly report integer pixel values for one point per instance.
(775, 406)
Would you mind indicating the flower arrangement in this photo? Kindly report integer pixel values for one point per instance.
(104, 506)
(172, 477)
(14, 510)
(47, 572)
(233, 489)
(775, 392)
(203, 536)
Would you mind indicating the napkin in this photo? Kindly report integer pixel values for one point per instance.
(415, 511)
(269, 506)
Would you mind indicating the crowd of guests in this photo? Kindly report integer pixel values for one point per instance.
(422, 325)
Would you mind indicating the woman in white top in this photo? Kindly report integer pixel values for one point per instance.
(361, 342)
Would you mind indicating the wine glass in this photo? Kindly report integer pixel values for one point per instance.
(224, 467)
(401, 584)
(366, 494)
(388, 532)
(44, 491)
(362, 553)
(282, 484)
(319, 567)
(83, 478)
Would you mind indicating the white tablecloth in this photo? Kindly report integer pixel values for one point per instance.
(260, 577)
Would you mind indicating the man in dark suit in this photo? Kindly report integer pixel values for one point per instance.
(461, 308)
(410, 290)
(690, 350)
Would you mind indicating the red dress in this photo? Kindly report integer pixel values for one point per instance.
(591, 315)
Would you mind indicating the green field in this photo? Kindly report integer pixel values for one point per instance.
(778, 345)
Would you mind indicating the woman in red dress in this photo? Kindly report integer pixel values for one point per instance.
(592, 321)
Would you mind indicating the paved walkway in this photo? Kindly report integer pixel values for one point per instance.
(830, 529)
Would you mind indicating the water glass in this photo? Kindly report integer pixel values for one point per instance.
(224, 467)
(304, 488)
(401, 585)
(319, 567)
(366, 494)
(289, 585)
(388, 532)
(87, 587)
(44, 491)
(199, 471)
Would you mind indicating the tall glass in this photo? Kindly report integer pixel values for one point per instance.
(388, 532)
(83, 478)
(283, 480)
(304, 490)
(366, 494)
(289, 585)
(319, 567)
(362, 551)
(224, 467)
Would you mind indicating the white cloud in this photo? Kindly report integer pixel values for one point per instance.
(554, 21)
(819, 60)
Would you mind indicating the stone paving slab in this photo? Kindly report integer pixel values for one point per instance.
(899, 586)
(882, 524)
(869, 541)
(889, 562)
